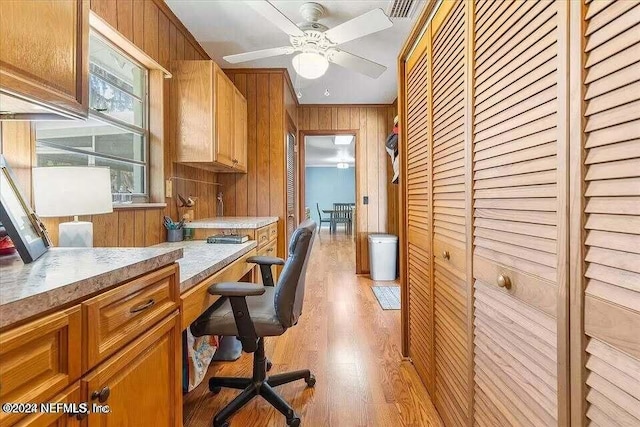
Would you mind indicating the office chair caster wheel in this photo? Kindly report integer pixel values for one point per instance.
(293, 422)
(215, 389)
(269, 365)
(222, 424)
(311, 381)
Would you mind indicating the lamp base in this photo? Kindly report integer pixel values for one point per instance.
(75, 234)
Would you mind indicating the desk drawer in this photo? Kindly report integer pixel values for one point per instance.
(270, 249)
(39, 359)
(262, 236)
(273, 231)
(117, 317)
(58, 419)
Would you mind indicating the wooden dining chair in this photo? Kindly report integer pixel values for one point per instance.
(342, 215)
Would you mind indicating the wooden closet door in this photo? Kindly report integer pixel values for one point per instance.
(516, 141)
(451, 327)
(612, 205)
(418, 212)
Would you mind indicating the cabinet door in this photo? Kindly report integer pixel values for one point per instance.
(612, 217)
(38, 66)
(223, 118)
(418, 212)
(142, 383)
(451, 317)
(517, 210)
(60, 419)
(239, 131)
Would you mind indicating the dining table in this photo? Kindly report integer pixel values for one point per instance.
(332, 215)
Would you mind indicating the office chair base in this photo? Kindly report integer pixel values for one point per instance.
(259, 385)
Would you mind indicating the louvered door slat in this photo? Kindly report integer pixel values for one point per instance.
(612, 206)
(516, 212)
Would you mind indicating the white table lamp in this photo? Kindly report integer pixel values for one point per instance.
(72, 191)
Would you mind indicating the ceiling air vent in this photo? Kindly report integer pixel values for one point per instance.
(402, 8)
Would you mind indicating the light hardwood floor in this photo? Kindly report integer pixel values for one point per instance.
(348, 342)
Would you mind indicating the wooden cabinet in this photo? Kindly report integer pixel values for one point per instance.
(39, 359)
(36, 67)
(133, 349)
(140, 384)
(211, 118)
(240, 131)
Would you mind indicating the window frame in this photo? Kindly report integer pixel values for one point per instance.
(143, 131)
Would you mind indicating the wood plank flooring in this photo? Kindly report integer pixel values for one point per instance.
(348, 342)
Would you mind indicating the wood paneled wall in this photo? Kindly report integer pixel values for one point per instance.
(371, 124)
(151, 26)
(261, 191)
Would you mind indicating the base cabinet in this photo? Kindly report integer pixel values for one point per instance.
(57, 419)
(141, 384)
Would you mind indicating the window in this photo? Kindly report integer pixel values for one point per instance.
(116, 134)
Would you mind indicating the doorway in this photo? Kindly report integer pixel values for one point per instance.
(328, 195)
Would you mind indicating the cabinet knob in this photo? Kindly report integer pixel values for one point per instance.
(235, 160)
(504, 281)
(101, 395)
(79, 415)
(446, 255)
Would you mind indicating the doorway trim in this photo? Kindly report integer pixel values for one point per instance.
(302, 143)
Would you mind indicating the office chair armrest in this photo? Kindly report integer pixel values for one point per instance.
(265, 260)
(265, 263)
(236, 289)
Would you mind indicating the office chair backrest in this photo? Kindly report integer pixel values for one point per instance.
(290, 289)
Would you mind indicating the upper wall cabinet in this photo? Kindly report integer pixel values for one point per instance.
(43, 58)
(211, 118)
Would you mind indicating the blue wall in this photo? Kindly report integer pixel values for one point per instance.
(327, 186)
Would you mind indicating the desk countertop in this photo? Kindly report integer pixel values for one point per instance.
(64, 275)
(202, 259)
(233, 222)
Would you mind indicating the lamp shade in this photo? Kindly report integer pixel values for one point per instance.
(72, 190)
(310, 65)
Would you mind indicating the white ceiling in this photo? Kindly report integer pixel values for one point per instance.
(225, 27)
(321, 151)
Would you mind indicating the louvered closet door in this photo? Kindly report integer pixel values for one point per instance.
(452, 362)
(612, 300)
(418, 216)
(515, 212)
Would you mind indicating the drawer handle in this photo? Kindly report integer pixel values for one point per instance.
(263, 238)
(79, 415)
(101, 395)
(143, 307)
(504, 281)
(446, 255)
(269, 250)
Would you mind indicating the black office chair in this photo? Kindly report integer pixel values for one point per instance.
(253, 312)
(322, 220)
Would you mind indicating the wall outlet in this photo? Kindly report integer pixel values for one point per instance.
(365, 200)
(168, 189)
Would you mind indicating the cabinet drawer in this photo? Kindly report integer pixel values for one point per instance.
(118, 316)
(60, 419)
(262, 236)
(273, 231)
(269, 249)
(39, 359)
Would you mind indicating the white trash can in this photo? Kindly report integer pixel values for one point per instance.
(383, 255)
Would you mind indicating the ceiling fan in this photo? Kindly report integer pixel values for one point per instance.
(315, 45)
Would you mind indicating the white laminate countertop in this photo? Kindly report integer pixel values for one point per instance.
(202, 259)
(64, 275)
(233, 222)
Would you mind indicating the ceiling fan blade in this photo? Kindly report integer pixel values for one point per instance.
(258, 54)
(356, 63)
(269, 11)
(363, 25)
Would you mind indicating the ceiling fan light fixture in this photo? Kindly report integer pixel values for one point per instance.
(310, 65)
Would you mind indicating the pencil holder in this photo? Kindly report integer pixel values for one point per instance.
(174, 235)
